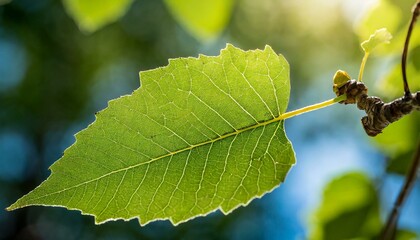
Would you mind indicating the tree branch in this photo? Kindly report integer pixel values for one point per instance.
(378, 113)
(416, 12)
(389, 229)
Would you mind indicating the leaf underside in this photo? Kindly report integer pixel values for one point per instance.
(200, 134)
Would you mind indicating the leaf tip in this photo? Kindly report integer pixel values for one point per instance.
(14, 206)
(229, 46)
(9, 208)
(268, 47)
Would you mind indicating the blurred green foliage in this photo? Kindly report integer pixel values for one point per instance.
(4, 1)
(94, 14)
(205, 20)
(393, 15)
(398, 142)
(349, 209)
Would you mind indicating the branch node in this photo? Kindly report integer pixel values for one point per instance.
(378, 113)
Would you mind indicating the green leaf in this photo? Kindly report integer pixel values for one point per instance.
(349, 210)
(91, 15)
(199, 135)
(391, 86)
(379, 37)
(393, 15)
(203, 19)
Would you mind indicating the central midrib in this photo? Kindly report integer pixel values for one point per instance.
(237, 132)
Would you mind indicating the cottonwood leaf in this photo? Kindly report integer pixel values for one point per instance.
(91, 15)
(200, 134)
(380, 36)
(203, 19)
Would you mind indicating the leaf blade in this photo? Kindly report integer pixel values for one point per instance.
(180, 146)
(380, 36)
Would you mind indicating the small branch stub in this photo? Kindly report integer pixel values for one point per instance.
(378, 113)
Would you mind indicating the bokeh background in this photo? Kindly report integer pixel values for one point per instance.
(56, 71)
